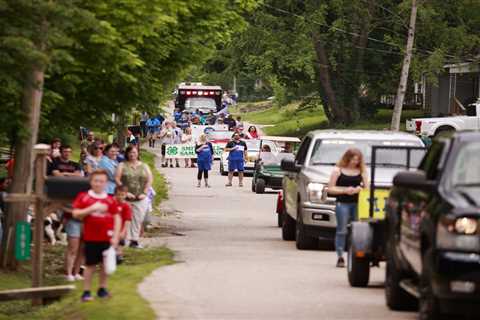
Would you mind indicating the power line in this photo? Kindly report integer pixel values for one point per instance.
(420, 50)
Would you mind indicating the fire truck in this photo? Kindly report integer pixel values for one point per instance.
(196, 96)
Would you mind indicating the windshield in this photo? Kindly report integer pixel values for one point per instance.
(254, 145)
(466, 171)
(269, 158)
(200, 103)
(219, 135)
(329, 152)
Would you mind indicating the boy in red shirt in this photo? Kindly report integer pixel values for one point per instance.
(101, 229)
(125, 212)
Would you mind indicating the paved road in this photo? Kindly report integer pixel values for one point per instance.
(234, 265)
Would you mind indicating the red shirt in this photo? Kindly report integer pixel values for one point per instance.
(125, 212)
(97, 226)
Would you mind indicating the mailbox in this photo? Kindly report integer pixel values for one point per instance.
(65, 188)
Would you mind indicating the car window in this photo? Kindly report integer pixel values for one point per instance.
(302, 152)
(472, 110)
(431, 162)
(330, 151)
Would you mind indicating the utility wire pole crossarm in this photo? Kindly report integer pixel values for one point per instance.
(402, 86)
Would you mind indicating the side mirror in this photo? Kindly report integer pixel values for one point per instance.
(414, 180)
(290, 166)
(65, 188)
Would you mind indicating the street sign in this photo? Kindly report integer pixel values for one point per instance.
(23, 237)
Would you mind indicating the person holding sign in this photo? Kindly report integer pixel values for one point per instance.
(204, 150)
(236, 158)
(347, 180)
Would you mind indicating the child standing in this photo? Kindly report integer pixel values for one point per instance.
(204, 150)
(125, 212)
(102, 223)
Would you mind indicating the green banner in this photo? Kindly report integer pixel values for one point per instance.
(23, 236)
(188, 151)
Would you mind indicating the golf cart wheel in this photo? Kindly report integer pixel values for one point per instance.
(288, 227)
(260, 186)
(303, 241)
(222, 170)
(253, 185)
(358, 269)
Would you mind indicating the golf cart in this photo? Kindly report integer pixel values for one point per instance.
(268, 173)
(366, 236)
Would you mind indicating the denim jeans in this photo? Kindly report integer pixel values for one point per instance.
(345, 212)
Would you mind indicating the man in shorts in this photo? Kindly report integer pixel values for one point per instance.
(236, 158)
(102, 224)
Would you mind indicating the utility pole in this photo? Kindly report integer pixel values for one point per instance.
(402, 86)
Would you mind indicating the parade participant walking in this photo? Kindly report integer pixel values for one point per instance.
(137, 177)
(153, 126)
(346, 181)
(102, 223)
(187, 138)
(109, 163)
(167, 136)
(204, 150)
(143, 123)
(177, 139)
(252, 132)
(236, 158)
(230, 121)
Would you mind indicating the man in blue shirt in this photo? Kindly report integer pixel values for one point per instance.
(153, 126)
(236, 158)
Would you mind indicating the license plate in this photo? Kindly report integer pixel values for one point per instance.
(320, 216)
(380, 199)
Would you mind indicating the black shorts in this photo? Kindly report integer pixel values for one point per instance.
(94, 252)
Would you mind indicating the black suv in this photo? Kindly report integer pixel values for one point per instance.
(433, 232)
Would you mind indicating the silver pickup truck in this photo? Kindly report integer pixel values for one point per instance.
(309, 214)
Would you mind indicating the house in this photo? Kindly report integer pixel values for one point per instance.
(457, 87)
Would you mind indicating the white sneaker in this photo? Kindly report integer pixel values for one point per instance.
(70, 278)
(78, 277)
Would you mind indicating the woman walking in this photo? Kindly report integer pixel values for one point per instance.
(347, 180)
(137, 177)
(204, 150)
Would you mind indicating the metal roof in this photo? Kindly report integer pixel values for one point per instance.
(364, 135)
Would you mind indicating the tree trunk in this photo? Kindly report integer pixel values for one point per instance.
(31, 107)
(402, 86)
(338, 114)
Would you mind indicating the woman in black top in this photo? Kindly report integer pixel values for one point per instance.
(346, 181)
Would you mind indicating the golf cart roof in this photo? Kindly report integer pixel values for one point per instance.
(281, 139)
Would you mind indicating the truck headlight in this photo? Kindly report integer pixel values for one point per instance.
(466, 225)
(315, 192)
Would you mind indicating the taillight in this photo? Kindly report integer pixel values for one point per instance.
(418, 126)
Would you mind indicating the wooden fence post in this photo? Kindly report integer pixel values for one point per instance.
(41, 153)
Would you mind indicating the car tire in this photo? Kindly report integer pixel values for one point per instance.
(397, 298)
(302, 240)
(358, 269)
(288, 227)
(260, 186)
(429, 306)
(222, 169)
(279, 219)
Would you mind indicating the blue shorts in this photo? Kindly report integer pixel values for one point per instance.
(236, 165)
(73, 228)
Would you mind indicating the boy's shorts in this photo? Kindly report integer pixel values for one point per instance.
(94, 252)
(236, 165)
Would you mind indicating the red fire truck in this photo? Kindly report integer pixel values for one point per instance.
(195, 96)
